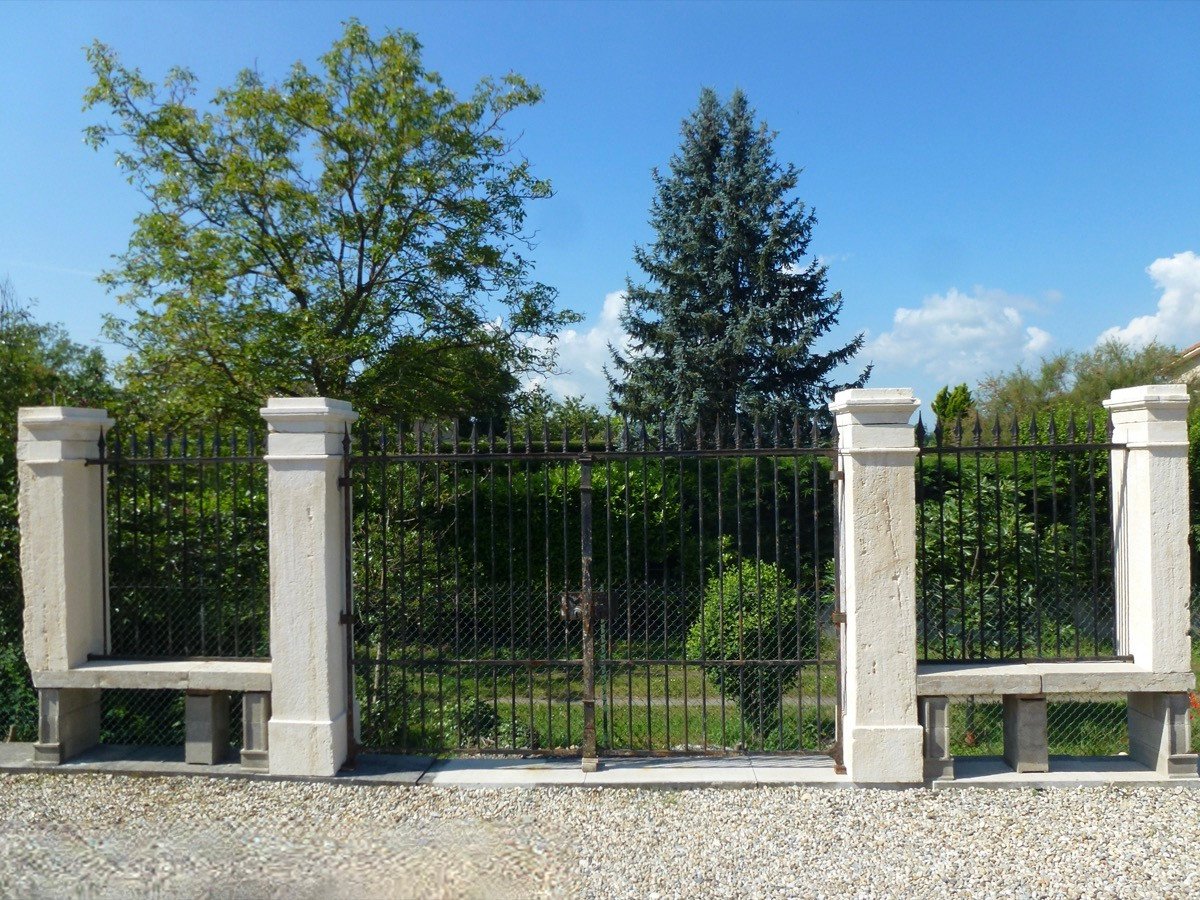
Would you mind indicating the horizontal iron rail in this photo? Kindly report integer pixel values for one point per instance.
(949, 449)
(1021, 660)
(618, 661)
(596, 455)
(129, 657)
(171, 460)
(469, 750)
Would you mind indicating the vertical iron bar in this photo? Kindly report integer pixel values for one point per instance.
(348, 585)
(1055, 585)
(796, 557)
(702, 586)
(586, 610)
(1091, 438)
(922, 562)
(965, 642)
(609, 736)
(741, 588)
(493, 605)
(458, 673)
(662, 473)
(628, 592)
(512, 624)
(999, 549)
(439, 609)
(1037, 539)
(1018, 600)
(814, 440)
(778, 562)
(977, 563)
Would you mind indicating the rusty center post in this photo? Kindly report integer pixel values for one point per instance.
(587, 610)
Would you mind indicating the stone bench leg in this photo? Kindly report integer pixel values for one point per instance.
(206, 726)
(256, 713)
(1159, 736)
(1025, 743)
(68, 724)
(934, 716)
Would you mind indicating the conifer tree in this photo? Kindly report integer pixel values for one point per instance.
(728, 320)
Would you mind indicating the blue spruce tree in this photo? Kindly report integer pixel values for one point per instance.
(728, 319)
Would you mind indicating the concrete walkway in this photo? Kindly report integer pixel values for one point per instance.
(661, 772)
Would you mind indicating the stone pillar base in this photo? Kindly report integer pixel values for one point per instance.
(256, 713)
(934, 715)
(307, 748)
(206, 724)
(1025, 743)
(68, 724)
(1159, 737)
(885, 754)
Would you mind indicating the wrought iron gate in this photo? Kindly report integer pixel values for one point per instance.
(641, 591)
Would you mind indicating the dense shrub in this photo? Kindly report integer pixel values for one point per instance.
(752, 611)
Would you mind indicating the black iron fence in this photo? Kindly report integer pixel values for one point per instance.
(1014, 540)
(706, 559)
(187, 545)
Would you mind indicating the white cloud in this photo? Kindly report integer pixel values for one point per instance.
(1178, 318)
(958, 337)
(583, 354)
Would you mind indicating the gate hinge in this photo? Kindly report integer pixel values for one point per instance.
(343, 481)
(838, 618)
(346, 618)
(837, 475)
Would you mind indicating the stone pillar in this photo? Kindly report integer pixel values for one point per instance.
(206, 722)
(882, 739)
(933, 713)
(63, 564)
(310, 719)
(1150, 526)
(1160, 733)
(256, 714)
(1153, 574)
(1025, 741)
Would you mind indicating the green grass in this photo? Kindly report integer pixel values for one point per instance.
(545, 712)
(1073, 728)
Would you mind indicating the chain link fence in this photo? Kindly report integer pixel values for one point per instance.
(709, 556)
(1074, 727)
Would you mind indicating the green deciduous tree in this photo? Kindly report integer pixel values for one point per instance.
(354, 231)
(730, 316)
(1078, 379)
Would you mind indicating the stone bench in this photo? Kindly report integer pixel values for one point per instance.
(69, 705)
(1159, 736)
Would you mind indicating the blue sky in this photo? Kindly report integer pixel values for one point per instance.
(992, 182)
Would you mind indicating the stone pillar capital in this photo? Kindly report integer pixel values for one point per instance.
(874, 418)
(305, 427)
(307, 415)
(56, 433)
(1150, 415)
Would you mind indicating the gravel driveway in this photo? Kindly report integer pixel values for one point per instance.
(114, 836)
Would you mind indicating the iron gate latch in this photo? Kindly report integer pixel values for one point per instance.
(570, 606)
